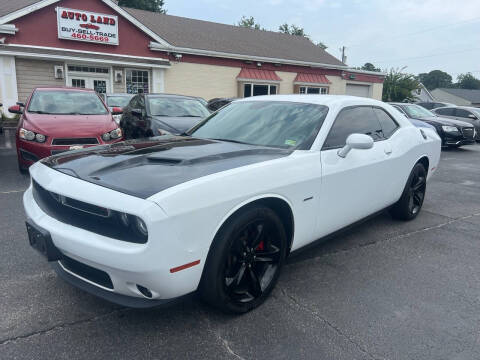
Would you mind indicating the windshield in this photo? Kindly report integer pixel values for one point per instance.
(118, 101)
(265, 123)
(176, 107)
(66, 103)
(417, 112)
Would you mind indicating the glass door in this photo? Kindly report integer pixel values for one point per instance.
(101, 86)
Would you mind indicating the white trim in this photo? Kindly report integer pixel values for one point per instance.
(73, 58)
(311, 84)
(159, 47)
(26, 10)
(258, 81)
(366, 72)
(137, 23)
(84, 52)
(9, 29)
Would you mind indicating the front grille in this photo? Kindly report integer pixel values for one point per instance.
(74, 141)
(468, 132)
(87, 272)
(85, 216)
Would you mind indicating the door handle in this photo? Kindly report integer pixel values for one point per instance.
(388, 149)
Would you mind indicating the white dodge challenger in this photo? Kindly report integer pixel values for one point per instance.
(218, 209)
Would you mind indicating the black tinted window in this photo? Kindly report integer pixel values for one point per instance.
(388, 124)
(462, 113)
(359, 120)
(427, 105)
(445, 111)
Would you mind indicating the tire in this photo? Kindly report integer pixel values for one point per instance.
(22, 170)
(411, 201)
(237, 276)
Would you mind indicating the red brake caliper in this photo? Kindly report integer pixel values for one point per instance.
(260, 246)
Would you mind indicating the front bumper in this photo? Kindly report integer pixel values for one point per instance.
(29, 152)
(128, 265)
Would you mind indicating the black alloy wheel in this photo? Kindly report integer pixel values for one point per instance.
(253, 261)
(410, 204)
(245, 260)
(418, 186)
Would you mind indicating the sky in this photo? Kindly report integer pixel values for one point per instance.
(419, 35)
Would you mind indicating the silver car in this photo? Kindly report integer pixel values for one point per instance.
(464, 113)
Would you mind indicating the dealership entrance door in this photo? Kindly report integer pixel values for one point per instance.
(101, 86)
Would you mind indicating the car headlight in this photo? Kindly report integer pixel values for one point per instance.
(134, 223)
(111, 135)
(163, 132)
(116, 133)
(448, 128)
(31, 136)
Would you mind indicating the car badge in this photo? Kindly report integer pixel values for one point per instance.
(76, 147)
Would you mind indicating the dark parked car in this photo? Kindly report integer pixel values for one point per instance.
(463, 113)
(117, 100)
(161, 114)
(433, 105)
(217, 103)
(453, 133)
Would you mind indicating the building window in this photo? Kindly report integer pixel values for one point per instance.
(137, 81)
(78, 83)
(259, 89)
(88, 69)
(313, 90)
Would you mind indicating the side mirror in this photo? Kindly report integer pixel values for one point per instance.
(117, 111)
(471, 116)
(137, 112)
(15, 109)
(21, 104)
(356, 141)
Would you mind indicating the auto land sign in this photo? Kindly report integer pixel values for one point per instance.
(87, 26)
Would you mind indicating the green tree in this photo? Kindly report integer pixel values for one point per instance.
(149, 5)
(298, 31)
(435, 79)
(369, 67)
(467, 81)
(292, 30)
(249, 22)
(398, 86)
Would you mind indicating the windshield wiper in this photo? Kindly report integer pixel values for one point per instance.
(233, 141)
(37, 112)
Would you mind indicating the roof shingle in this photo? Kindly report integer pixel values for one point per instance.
(471, 95)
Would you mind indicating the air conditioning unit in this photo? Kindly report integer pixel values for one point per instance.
(59, 72)
(118, 76)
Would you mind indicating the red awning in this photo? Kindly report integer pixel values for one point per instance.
(311, 79)
(258, 74)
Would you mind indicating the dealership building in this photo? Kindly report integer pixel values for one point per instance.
(98, 44)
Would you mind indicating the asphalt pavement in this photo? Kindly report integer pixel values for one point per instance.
(383, 290)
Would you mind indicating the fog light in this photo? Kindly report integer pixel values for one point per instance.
(145, 292)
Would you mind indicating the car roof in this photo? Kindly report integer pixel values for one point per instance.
(172, 96)
(60, 88)
(327, 100)
(120, 94)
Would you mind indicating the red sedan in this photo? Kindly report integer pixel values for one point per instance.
(55, 120)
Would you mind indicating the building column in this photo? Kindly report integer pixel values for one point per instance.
(158, 80)
(8, 82)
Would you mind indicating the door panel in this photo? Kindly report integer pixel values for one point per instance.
(353, 187)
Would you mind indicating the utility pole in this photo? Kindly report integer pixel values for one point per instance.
(344, 58)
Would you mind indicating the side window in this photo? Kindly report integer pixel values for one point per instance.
(399, 109)
(462, 113)
(389, 126)
(445, 111)
(141, 102)
(133, 104)
(357, 120)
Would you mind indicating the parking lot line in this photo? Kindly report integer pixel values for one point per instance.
(12, 191)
